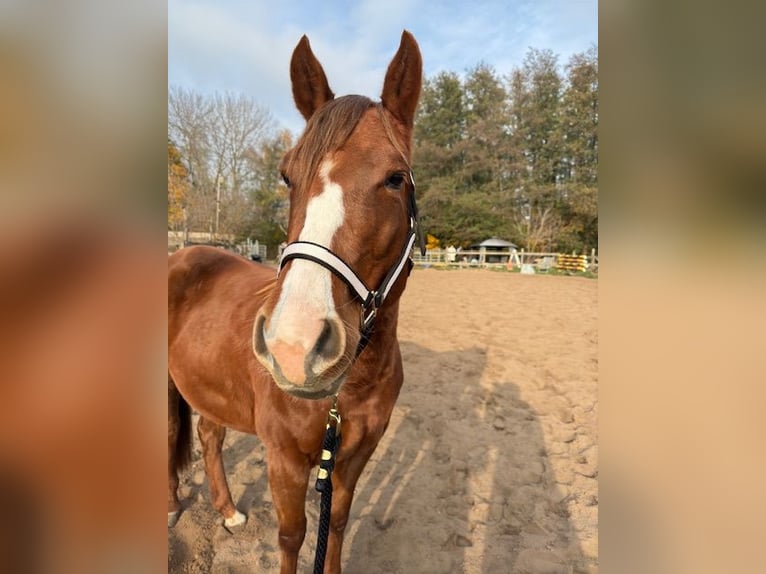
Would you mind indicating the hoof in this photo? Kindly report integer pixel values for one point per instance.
(237, 520)
(173, 518)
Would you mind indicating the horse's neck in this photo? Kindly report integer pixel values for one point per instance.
(388, 321)
(381, 350)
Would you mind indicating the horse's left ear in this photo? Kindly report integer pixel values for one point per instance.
(401, 89)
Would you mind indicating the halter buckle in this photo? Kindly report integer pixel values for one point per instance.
(368, 317)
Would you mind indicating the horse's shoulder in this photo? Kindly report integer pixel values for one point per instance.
(194, 267)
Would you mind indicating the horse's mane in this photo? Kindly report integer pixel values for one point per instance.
(268, 288)
(327, 130)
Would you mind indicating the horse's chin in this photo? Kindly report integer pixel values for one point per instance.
(314, 392)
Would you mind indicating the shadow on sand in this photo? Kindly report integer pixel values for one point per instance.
(464, 483)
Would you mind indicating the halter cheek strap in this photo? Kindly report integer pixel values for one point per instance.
(370, 299)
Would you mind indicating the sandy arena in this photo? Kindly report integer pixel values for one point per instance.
(489, 465)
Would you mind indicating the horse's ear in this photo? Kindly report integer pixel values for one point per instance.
(310, 87)
(401, 89)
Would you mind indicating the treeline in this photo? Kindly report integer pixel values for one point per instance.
(513, 157)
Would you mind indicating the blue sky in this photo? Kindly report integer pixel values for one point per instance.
(245, 46)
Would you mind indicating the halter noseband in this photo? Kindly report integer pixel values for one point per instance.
(370, 299)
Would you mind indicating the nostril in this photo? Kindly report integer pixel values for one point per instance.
(259, 339)
(328, 345)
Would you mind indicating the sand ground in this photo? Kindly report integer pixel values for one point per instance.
(490, 463)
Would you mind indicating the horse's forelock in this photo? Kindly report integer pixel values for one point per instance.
(327, 130)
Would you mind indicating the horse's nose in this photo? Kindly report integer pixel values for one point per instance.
(300, 355)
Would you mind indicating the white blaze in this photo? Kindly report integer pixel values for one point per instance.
(306, 294)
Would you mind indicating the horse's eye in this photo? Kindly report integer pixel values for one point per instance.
(395, 182)
(285, 179)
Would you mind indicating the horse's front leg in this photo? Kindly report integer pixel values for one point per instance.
(288, 481)
(211, 436)
(344, 480)
(174, 432)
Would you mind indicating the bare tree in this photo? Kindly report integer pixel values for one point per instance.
(214, 134)
(536, 225)
(240, 126)
(189, 119)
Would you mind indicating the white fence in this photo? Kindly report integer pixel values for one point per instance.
(497, 259)
(179, 239)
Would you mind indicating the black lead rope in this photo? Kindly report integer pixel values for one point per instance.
(330, 446)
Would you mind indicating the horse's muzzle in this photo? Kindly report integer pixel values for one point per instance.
(309, 365)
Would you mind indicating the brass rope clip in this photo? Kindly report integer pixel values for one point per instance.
(330, 443)
(333, 415)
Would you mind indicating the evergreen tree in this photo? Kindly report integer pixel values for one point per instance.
(535, 92)
(439, 133)
(580, 153)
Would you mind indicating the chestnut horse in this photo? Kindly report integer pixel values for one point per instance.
(264, 352)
